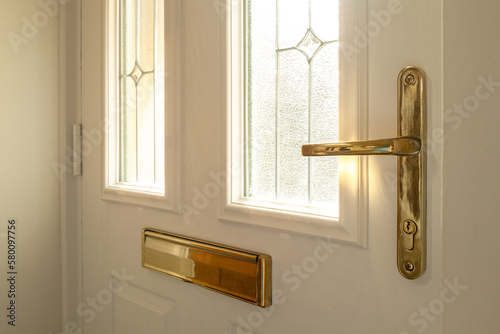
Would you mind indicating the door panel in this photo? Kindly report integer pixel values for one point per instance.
(320, 286)
(470, 211)
(143, 305)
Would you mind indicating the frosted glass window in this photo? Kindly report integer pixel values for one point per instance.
(292, 93)
(141, 93)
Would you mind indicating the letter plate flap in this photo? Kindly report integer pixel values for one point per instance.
(234, 272)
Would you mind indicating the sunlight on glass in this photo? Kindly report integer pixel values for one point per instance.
(141, 114)
(292, 99)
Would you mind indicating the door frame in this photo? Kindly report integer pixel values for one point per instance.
(70, 185)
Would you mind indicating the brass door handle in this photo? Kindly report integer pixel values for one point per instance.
(404, 146)
(411, 224)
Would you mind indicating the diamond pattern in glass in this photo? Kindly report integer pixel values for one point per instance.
(136, 74)
(310, 44)
(291, 100)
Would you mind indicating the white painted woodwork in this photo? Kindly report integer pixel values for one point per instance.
(29, 146)
(471, 180)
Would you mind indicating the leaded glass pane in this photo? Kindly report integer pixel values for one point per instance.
(128, 23)
(324, 170)
(141, 113)
(325, 19)
(292, 76)
(146, 40)
(145, 130)
(128, 134)
(292, 19)
(261, 124)
(293, 127)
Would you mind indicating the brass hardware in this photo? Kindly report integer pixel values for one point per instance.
(409, 267)
(411, 226)
(234, 272)
(394, 146)
(410, 79)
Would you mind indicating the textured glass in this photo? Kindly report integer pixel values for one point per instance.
(293, 21)
(324, 170)
(325, 19)
(128, 130)
(145, 130)
(310, 45)
(146, 50)
(136, 74)
(128, 49)
(292, 95)
(261, 120)
(142, 84)
(159, 82)
(293, 127)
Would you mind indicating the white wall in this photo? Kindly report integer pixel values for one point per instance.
(472, 164)
(29, 188)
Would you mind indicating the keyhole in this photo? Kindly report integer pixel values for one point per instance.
(409, 227)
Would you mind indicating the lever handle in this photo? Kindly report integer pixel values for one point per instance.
(411, 187)
(402, 146)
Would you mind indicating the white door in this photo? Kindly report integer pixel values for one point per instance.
(321, 285)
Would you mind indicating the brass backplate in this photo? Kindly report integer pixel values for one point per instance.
(234, 272)
(411, 229)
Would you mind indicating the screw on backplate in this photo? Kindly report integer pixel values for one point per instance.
(410, 79)
(409, 266)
